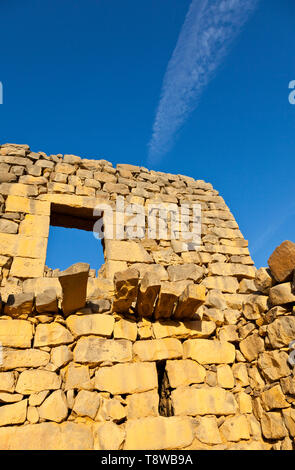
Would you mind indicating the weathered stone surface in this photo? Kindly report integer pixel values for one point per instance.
(94, 324)
(274, 364)
(185, 329)
(52, 334)
(142, 405)
(47, 436)
(282, 261)
(225, 378)
(289, 419)
(108, 436)
(127, 378)
(158, 433)
(16, 333)
(17, 358)
(236, 428)
(281, 294)
(204, 401)
(252, 346)
(126, 287)
(13, 414)
(93, 350)
(125, 329)
(273, 426)
(189, 302)
(7, 381)
(33, 381)
(55, 407)
(273, 398)
(36, 399)
(207, 351)
(131, 251)
(47, 301)
(8, 226)
(77, 377)
(157, 349)
(6, 397)
(185, 271)
(166, 300)
(245, 403)
(207, 430)
(282, 331)
(87, 403)
(147, 294)
(18, 304)
(222, 283)
(263, 280)
(74, 287)
(184, 372)
(61, 355)
(232, 269)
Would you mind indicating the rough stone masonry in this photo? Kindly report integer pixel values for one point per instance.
(166, 347)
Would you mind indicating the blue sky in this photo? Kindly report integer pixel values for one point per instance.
(85, 78)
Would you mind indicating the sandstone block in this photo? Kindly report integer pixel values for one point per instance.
(108, 436)
(93, 350)
(207, 430)
(236, 428)
(55, 407)
(274, 364)
(126, 287)
(203, 401)
(273, 398)
(77, 377)
(19, 304)
(127, 378)
(222, 283)
(252, 346)
(282, 261)
(7, 382)
(18, 358)
(52, 334)
(94, 324)
(185, 271)
(157, 349)
(47, 301)
(189, 301)
(184, 372)
(281, 332)
(207, 351)
(158, 433)
(60, 356)
(126, 251)
(74, 287)
(225, 378)
(8, 226)
(281, 294)
(125, 329)
(166, 300)
(147, 294)
(16, 333)
(47, 436)
(33, 381)
(273, 426)
(186, 329)
(142, 405)
(27, 267)
(87, 403)
(13, 414)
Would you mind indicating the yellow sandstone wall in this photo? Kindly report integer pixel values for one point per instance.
(169, 346)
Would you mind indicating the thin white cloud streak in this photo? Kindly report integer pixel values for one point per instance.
(209, 28)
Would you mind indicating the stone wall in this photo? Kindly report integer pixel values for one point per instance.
(168, 346)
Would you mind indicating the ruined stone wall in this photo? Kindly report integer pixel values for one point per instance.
(168, 346)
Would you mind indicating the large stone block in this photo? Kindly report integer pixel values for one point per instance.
(13, 414)
(235, 428)
(27, 267)
(157, 349)
(184, 372)
(19, 304)
(29, 206)
(126, 286)
(207, 351)
(16, 333)
(190, 300)
(158, 433)
(127, 378)
(34, 381)
(47, 436)
(18, 358)
(126, 251)
(34, 225)
(52, 334)
(281, 294)
(282, 261)
(203, 401)
(233, 269)
(148, 292)
(93, 350)
(186, 329)
(7, 382)
(55, 407)
(74, 287)
(274, 365)
(94, 324)
(282, 331)
(142, 405)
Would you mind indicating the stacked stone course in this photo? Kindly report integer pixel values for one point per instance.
(168, 346)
